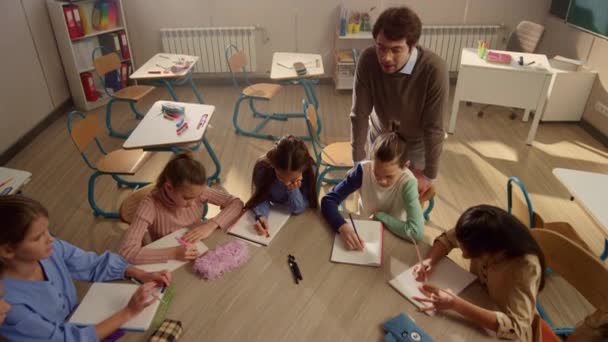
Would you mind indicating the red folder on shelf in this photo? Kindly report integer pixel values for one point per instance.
(124, 74)
(88, 85)
(68, 12)
(77, 20)
(124, 47)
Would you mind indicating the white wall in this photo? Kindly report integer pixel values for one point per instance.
(304, 26)
(562, 39)
(33, 83)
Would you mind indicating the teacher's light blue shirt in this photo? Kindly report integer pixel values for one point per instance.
(39, 309)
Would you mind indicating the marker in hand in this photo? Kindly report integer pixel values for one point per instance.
(258, 219)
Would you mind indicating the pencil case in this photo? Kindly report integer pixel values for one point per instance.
(401, 328)
(221, 260)
(497, 57)
(168, 331)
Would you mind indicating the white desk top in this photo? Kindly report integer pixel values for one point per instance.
(14, 179)
(590, 189)
(167, 60)
(282, 65)
(541, 64)
(156, 131)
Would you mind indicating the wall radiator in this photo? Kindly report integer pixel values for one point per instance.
(209, 43)
(448, 40)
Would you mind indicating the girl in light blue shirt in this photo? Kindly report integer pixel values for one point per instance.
(38, 272)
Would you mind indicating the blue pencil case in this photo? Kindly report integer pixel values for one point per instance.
(402, 329)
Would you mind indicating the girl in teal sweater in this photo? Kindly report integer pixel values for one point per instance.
(388, 191)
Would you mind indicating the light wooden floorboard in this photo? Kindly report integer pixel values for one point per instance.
(475, 165)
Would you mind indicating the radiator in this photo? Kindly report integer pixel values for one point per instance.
(209, 43)
(448, 40)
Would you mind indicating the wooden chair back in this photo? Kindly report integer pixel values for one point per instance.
(311, 116)
(525, 37)
(107, 63)
(583, 270)
(427, 195)
(84, 131)
(129, 205)
(237, 61)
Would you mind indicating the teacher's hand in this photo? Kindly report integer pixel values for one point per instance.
(424, 184)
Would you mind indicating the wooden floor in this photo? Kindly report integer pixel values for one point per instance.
(475, 165)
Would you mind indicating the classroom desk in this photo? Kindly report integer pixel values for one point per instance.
(154, 132)
(157, 71)
(282, 70)
(334, 302)
(589, 189)
(12, 180)
(508, 85)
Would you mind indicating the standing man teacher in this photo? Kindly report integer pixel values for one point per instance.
(397, 80)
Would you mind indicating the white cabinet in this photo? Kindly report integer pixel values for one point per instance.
(569, 90)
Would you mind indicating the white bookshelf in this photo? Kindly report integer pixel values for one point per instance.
(76, 52)
(344, 71)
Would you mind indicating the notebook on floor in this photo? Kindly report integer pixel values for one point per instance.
(105, 299)
(446, 275)
(243, 228)
(166, 242)
(372, 233)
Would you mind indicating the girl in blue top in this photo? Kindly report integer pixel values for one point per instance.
(285, 175)
(38, 272)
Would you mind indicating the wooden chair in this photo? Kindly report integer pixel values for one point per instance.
(111, 63)
(333, 157)
(526, 214)
(129, 205)
(429, 197)
(237, 62)
(583, 270)
(115, 163)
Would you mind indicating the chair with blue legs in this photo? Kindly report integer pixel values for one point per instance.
(237, 61)
(526, 214)
(585, 272)
(428, 196)
(333, 157)
(83, 131)
(108, 67)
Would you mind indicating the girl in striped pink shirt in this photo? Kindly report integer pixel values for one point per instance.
(177, 201)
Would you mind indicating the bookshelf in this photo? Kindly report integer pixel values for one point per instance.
(76, 50)
(346, 50)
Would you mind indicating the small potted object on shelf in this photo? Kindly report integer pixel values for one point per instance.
(366, 21)
(355, 20)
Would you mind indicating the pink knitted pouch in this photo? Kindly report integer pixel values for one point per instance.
(224, 258)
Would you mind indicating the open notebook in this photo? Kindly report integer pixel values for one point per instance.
(446, 274)
(372, 233)
(243, 228)
(105, 299)
(165, 242)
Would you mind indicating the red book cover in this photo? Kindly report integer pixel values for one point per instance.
(77, 20)
(124, 47)
(68, 12)
(124, 74)
(88, 85)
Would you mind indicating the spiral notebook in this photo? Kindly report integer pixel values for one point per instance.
(105, 299)
(372, 233)
(244, 229)
(166, 242)
(446, 274)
